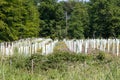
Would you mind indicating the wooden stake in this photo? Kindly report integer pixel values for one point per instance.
(32, 68)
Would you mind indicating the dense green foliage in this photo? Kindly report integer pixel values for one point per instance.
(18, 19)
(105, 18)
(51, 18)
(65, 19)
(60, 65)
(78, 21)
(57, 60)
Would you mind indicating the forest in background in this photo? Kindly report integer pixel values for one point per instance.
(57, 20)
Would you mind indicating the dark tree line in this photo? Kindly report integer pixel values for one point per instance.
(53, 19)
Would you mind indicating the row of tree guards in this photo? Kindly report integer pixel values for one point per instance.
(46, 46)
(28, 47)
(88, 45)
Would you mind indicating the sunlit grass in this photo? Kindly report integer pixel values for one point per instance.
(90, 67)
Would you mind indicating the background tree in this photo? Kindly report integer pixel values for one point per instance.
(52, 16)
(104, 18)
(53, 19)
(78, 21)
(19, 19)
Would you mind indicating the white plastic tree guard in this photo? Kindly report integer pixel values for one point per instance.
(84, 46)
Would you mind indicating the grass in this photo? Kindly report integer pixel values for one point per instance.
(61, 66)
(61, 47)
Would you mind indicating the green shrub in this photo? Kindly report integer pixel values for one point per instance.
(101, 56)
(17, 61)
(118, 36)
(53, 61)
(59, 61)
(38, 60)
